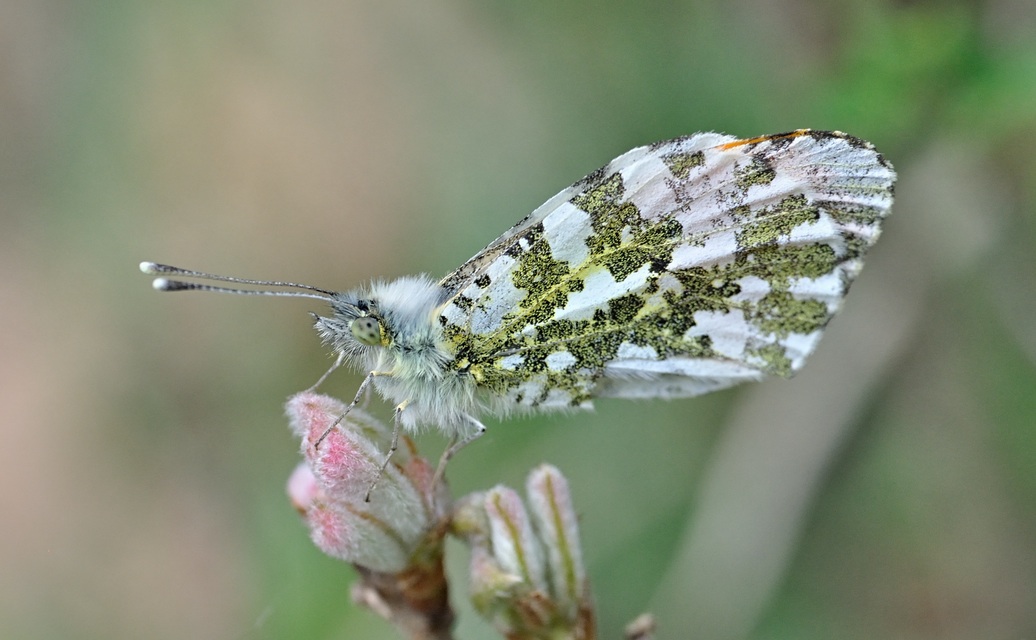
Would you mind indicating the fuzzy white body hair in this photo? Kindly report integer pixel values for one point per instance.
(410, 368)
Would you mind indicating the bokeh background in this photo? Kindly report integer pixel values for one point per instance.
(888, 492)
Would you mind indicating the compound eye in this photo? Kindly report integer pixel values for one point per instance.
(367, 330)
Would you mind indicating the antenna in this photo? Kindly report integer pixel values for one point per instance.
(165, 284)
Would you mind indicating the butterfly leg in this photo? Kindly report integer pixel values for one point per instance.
(338, 363)
(356, 400)
(392, 448)
(456, 444)
(366, 398)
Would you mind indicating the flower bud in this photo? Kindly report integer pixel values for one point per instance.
(381, 535)
(527, 570)
(515, 547)
(556, 524)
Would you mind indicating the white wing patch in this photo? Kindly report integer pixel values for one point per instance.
(679, 268)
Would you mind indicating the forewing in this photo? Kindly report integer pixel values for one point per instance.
(679, 268)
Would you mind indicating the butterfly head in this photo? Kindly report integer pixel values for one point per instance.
(355, 326)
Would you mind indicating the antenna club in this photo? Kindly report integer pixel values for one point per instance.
(160, 284)
(150, 268)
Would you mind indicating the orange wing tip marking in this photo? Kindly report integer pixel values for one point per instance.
(739, 143)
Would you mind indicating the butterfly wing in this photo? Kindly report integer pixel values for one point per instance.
(678, 268)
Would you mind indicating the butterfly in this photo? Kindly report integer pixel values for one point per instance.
(678, 268)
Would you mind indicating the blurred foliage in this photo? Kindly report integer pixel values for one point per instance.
(331, 142)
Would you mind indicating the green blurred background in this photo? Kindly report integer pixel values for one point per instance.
(888, 492)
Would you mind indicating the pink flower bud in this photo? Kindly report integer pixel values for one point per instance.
(303, 489)
(384, 534)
